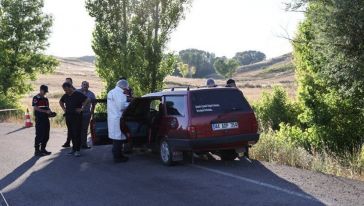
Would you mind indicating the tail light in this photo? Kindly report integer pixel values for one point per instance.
(254, 125)
(192, 131)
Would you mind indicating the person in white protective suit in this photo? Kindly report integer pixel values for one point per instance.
(116, 104)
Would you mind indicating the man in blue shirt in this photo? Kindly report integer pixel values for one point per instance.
(87, 112)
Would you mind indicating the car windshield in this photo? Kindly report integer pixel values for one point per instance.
(218, 101)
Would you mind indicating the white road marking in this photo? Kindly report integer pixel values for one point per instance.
(3, 200)
(263, 184)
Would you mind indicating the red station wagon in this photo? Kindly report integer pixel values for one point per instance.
(217, 120)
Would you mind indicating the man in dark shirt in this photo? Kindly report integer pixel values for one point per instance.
(41, 112)
(69, 80)
(73, 103)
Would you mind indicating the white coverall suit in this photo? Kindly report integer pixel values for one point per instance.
(116, 104)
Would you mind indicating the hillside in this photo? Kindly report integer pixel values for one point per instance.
(76, 68)
(252, 79)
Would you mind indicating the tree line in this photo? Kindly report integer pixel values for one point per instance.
(199, 64)
(129, 40)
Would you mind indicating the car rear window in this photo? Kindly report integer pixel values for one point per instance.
(218, 101)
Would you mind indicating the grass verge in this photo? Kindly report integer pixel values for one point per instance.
(271, 148)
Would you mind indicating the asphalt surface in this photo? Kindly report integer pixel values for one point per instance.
(93, 179)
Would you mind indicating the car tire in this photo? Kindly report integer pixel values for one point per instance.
(228, 155)
(165, 152)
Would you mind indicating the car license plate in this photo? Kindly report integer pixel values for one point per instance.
(223, 126)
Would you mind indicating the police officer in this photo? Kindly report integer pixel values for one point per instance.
(42, 127)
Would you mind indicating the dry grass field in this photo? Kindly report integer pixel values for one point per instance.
(253, 82)
(77, 69)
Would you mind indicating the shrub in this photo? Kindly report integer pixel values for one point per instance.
(275, 108)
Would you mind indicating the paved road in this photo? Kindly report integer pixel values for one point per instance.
(94, 179)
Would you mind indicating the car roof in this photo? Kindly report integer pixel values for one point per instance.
(182, 91)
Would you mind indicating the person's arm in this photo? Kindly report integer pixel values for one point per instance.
(36, 108)
(61, 103)
(85, 100)
(93, 103)
(122, 100)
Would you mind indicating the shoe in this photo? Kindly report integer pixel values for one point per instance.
(38, 153)
(66, 145)
(45, 152)
(121, 159)
(72, 152)
(85, 147)
(77, 154)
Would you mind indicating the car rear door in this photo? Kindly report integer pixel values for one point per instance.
(174, 122)
(221, 112)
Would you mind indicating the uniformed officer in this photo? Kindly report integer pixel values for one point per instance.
(42, 127)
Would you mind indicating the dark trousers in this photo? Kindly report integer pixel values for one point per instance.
(117, 148)
(74, 125)
(42, 128)
(68, 141)
(85, 124)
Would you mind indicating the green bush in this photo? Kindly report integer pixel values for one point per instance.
(275, 108)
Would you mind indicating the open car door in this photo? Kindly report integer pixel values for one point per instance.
(98, 124)
(138, 119)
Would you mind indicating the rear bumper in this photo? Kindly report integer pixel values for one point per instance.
(213, 142)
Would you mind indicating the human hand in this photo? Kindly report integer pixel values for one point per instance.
(79, 110)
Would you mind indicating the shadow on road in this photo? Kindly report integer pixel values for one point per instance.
(17, 130)
(94, 179)
(19, 171)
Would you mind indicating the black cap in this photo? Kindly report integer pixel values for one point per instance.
(44, 88)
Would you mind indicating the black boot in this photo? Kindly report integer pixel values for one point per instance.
(38, 152)
(45, 152)
(66, 144)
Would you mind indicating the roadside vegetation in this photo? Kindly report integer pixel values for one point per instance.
(322, 129)
(24, 32)
(284, 139)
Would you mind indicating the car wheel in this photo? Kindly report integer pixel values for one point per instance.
(228, 155)
(166, 153)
